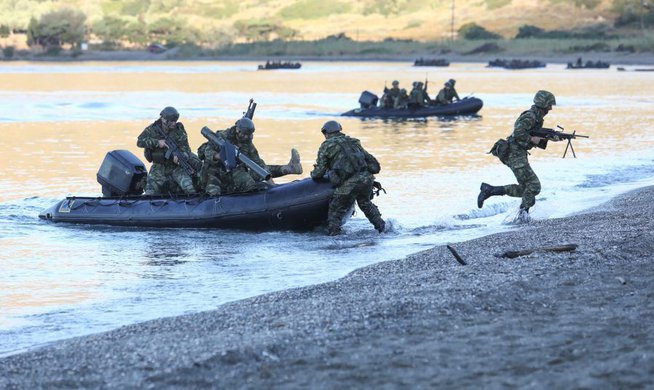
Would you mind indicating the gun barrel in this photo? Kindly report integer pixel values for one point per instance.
(216, 140)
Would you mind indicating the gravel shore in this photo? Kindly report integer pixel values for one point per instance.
(551, 320)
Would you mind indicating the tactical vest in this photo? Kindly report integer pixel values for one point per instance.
(350, 161)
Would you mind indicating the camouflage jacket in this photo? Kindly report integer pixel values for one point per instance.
(149, 140)
(343, 156)
(446, 96)
(527, 122)
(418, 96)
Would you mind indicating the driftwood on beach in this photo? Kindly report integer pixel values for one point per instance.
(524, 252)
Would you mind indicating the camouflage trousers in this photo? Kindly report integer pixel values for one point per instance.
(357, 189)
(168, 178)
(239, 179)
(528, 184)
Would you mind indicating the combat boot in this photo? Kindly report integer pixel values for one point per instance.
(334, 230)
(294, 167)
(380, 225)
(486, 191)
(523, 215)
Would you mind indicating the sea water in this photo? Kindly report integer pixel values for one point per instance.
(59, 120)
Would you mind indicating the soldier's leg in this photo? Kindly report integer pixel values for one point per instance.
(527, 188)
(243, 181)
(183, 180)
(339, 205)
(156, 180)
(213, 182)
(370, 210)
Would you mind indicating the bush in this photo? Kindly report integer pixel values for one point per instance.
(474, 31)
(8, 51)
(592, 32)
(56, 28)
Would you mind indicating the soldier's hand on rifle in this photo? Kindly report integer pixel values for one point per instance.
(162, 143)
(535, 140)
(175, 159)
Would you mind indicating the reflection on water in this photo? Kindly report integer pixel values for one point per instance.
(59, 120)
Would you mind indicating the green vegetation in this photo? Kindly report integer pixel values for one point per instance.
(8, 51)
(633, 13)
(56, 28)
(313, 9)
(474, 31)
(496, 4)
(591, 32)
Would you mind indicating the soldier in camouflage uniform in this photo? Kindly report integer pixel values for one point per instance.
(402, 100)
(519, 142)
(418, 96)
(350, 169)
(166, 175)
(218, 181)
(447, 94)
(390, 95)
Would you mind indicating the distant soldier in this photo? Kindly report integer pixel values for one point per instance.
(166, 175)
(519, 142)
(402, 100)
(447, 94)
(388, 99)
(418, 96)
(350, 169)
(216, 180)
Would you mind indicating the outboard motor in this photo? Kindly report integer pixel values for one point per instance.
(368, 99)
(122, 173)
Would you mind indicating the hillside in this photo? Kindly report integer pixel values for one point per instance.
(221, 21)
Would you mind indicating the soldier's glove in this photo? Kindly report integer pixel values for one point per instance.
(377, 188)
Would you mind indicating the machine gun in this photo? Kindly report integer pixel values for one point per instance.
(250, 112)
(551, 134)
(232, 153)
(174, 151)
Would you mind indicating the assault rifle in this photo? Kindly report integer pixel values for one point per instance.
(174, 151)
(250, 112)
(551, 134)
(231, 150)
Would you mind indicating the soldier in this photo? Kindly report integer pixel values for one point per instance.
(519, 142)
(217, 181)
(418, 97)
(447, 94)
(402, 100)
(166, 174)
(388, 100)
(350, 169)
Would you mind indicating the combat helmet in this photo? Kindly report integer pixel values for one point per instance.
(452, 82)
(395, 83)
(544, 99)
(245, 125)
(331, 127)
(170, 114)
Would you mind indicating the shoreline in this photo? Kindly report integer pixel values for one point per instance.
(546, 320)
(615, 58)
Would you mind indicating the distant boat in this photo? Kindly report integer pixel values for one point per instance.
(279, 65)
(588, 65)
(431, 62)
(369, 109)
(515, 64)
(621, 69)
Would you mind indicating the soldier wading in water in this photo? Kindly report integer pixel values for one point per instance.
(350, 169)
(513, 153)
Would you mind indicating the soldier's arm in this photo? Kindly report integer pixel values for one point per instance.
(521, 131)
(455, 94)
(320, 167)
(148, 139)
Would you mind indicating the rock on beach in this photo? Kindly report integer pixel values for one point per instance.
(579, 319)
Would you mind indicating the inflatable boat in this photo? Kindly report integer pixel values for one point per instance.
(465, 106)
(298, 205)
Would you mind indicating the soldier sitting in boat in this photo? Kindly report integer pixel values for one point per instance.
(418, 96)
(170, 172)
(402, 99)
(447, 94)
(388, 99)
(217, 179)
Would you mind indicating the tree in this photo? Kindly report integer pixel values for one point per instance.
(475, 31)
(56, 28)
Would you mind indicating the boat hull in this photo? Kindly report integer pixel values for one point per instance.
(299, 205)
(467, 106)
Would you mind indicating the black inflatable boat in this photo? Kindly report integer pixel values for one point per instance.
(299, 205)
(369, 109)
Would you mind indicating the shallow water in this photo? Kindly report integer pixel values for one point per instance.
(59, 120)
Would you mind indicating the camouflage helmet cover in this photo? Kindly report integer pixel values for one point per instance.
(544, 99)
(331, 127)
(395, 82)
(452, 81)
(245, 125)
(170, 114)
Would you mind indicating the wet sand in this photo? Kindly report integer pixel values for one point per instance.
(582, 319)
